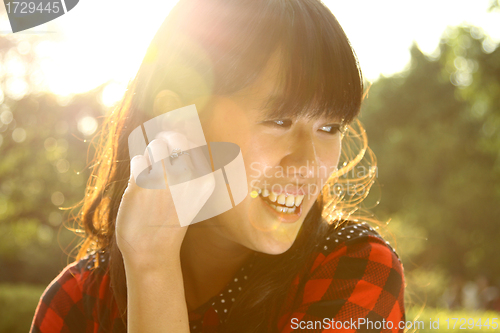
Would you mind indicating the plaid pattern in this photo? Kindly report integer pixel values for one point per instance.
(78, 300)
(353, 274)
(357, 278)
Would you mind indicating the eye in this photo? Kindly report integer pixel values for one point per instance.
(332, 128)
(280, 123)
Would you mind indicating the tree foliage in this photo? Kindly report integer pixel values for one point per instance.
(43, 167)
(435, 129)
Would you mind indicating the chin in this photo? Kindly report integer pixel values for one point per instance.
(276, 241)
(276, 249)
(257, 227)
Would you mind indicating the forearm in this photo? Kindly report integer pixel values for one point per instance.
(156, 300)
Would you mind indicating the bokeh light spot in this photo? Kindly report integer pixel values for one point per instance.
(16, 88)
(62, 165)
(57, 198)
(19, 135)
(112, 93)
(55, 218)
(87, 125)
(6, 117)
(45, 234)
(50, 144)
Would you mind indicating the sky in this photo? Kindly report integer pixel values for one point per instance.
(103, 40)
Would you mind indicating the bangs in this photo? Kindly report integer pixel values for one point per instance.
(320, 75)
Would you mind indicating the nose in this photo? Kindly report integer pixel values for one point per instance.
(301, 158)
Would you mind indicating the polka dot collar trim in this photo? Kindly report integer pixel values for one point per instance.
(350, 231)
(221, 304)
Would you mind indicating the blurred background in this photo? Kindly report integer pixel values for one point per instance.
(432, 116)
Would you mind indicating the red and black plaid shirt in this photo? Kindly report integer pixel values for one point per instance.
(354, 284)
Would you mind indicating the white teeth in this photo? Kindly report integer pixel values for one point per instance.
(281, 199)
(278, 208)
(298, 200)
(284, 209)
(288, 200)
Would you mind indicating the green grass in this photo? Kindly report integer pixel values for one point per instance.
(17, 306)
(427, 314)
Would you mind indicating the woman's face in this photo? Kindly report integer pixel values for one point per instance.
(287, 162)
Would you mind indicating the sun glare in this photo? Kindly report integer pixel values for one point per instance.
(77, 54)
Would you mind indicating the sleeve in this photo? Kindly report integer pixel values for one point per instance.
(358, 287)
(60, 308)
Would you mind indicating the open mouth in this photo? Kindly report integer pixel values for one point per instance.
(282, 203)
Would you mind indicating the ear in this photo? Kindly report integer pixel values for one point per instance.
(166, 100)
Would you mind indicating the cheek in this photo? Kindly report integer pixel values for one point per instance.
(328, 162)
(260, 157)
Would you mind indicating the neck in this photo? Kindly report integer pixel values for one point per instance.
(209, 261)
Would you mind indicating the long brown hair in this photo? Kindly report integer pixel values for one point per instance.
(217, 47)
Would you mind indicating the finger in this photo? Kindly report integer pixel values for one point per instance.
(178, 168)
(137, 164)
(179, 142)
(146, 174)
(158, 148)
(196, 161)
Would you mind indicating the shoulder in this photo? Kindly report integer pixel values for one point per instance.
(83, 276)
(353, 274)
(358, 271)
(69, 299)
(79, 278)
(355, 251)
(356, 243)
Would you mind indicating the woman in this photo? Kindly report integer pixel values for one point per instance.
(280, 80)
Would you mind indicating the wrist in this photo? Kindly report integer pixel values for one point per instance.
(151, 265)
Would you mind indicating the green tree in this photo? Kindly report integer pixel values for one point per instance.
(43, 166)
(435, 129)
